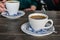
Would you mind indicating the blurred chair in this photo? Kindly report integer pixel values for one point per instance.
(51, 4)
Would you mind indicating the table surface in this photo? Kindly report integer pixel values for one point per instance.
(11, 29)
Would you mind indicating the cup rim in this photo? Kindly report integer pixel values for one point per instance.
(12, 1)
(37, 14)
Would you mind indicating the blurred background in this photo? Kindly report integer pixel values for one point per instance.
(48, 4)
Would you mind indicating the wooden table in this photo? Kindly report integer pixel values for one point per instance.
(10, 29)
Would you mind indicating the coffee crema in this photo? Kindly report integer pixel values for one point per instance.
(38, 17)
(12, 2)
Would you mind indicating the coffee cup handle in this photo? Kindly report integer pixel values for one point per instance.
(50, 20)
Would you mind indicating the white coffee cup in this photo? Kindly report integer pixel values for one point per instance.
(12, 7)
(38, 24)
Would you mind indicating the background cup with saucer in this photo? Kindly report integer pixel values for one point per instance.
(12, 10)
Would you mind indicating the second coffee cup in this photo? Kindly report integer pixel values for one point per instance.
(12, 7)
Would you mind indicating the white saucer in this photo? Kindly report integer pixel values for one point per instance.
(19, 14)
(41, 33)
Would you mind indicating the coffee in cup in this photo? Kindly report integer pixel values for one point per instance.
(38, 17)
